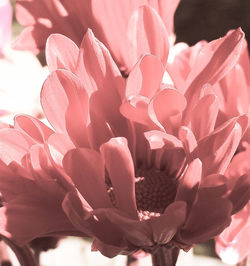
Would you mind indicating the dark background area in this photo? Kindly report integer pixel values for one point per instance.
(197, 20)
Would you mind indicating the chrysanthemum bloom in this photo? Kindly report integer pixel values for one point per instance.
(21, 74)
(118, 24)
(232, 245)
(143, 183)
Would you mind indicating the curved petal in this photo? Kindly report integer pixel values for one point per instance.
(33, 127)
(145, 78)
(136, 110)
(28, 216)
(232, 245)
(114, 228)
(167, 224)
(188, 139)
(65, 104)
(59, 145)
(205, 221)
(147, 34)
(166, 9)
(13, 146)
(120, 167)
(61, 52)
(166, 104)
(216, 59)
(86, 169)
(189, 183)
(216, 150)
(208, 107)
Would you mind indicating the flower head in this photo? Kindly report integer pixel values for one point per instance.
(125, 27)
(131, 162)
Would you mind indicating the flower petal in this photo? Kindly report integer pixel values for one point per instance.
(147, 34)
(145, 78)
(120, 167)
(216, 150)
(216, 59)
(86, 169)
(13, 146)
(166, 225)
(65, 104)
(166, 104)
(189, 183)
(61, 52)
(211, 220)
(207, 106)
(32, 127)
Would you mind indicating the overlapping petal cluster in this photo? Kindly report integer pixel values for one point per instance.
(143, 133)
(131, 163)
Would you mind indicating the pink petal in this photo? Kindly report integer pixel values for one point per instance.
(102, 80)
(77, 211)
(29, 216)
(136, 110)
(109, 251)
(189, 183)
(120, 167)
(166, 225)
(96, 68)
(147, 34)
(233, 243)
(25, 40)
(13, 184)
(216, 58)
(158, 139)
(59, 145)
(86, 169)
(97, 125)
(61, 52)
(188, 139)
(13, 146)
(205, 221)
(145, 78)
(166, 104)
(65, 104)
(166, 9)
(217, 150)
(240, 194)
(236, 101)
(32, 127)
(114, 228)
(207, 106)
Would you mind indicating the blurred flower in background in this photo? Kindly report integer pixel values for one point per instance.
(21, 74)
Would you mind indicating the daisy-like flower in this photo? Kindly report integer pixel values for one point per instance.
(131, 163)
(126, 30)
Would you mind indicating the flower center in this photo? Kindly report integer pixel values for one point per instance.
(154, 190)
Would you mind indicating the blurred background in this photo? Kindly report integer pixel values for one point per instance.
(195, 20)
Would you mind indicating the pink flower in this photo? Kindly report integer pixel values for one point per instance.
(125, 27)
(29, 186)
(232, 245)
(21, 74)
(131, 163)
(188, 160)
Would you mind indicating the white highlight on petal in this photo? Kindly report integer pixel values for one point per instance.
(229, 256)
